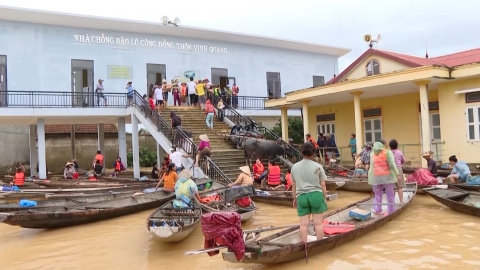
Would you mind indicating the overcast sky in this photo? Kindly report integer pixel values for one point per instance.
(405, 25)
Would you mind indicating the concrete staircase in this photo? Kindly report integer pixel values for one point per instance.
(224, 152)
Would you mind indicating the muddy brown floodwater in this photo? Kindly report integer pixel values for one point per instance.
(426, 235)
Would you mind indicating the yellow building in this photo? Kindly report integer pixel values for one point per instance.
(427, 104)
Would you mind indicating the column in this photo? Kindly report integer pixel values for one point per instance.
(159, 155)
(72, 142)
(306, 126)
(358, 119)
(42, 158)
(33, 150)
(425, 116)
(122, 140)
(135, 147)
(101, 144)
(284, 123)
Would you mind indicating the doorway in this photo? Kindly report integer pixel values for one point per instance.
(3, 81)
(220, 77)
(82, 83)
(326, 128)
(155, 73)
(274, 85)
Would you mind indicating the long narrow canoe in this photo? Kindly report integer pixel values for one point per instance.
(281, 197)
(173, 225)
(286, 246)
(56, 217)
(330, 185)
(457, 199)
(66, 201)
(80, 184)
(87, 190)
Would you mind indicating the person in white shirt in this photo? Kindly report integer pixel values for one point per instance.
(158, 96)
(176, 157)
(191, 89)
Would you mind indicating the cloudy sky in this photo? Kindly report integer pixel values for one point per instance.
(405, 25)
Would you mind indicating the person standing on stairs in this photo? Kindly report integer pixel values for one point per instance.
(165, 89)
(202, 97)
(210, 112)
(158, 96)
(191, 90)
(204, 149)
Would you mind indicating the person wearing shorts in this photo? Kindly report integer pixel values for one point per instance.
(309, 192)
(158, 92)
(399, 161)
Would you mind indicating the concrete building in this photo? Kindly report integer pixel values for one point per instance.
(50, 63)
(427, 104)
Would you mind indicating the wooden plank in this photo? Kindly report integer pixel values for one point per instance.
(204, 250)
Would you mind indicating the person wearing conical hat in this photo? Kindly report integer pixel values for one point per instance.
(185, 186)
(244, 178)
(204, 149)
(69, 171)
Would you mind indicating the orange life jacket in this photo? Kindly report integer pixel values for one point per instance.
(99, 157)
(274, 175)
(288, 180)
(312, 141)
(184, 90)
(380, 165)
(19, 179)
(258, 170)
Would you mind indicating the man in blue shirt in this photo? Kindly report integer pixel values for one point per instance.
(353, 146)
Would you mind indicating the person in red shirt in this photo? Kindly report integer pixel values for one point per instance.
(151, 102)
(288, 180)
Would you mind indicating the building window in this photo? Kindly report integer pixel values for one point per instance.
(473, 123)
(326, 128)
(472, 97)
(3, 80)
(373, 130)
(432, 106)
(318, 80)
(372, 112)
(373, 68)
(326, 117)
(220, 76)
(274, 85)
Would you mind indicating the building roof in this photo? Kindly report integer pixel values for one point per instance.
(122, 25)
(82, 128)
(449, 60)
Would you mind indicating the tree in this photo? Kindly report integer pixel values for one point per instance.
(147, 157)
(295, 129)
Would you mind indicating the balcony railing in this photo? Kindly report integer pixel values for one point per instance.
(41, 99)
(245, 102)
(180, 138)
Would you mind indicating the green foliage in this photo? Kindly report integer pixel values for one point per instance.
(147, 157)
(295, 129)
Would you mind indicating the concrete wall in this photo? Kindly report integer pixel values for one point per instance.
(43, 54)
(14, 144)
(58, 149)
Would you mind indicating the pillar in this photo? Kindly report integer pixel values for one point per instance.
(33, 150)
(122, 140)
(42, 158)
(358, 120)
(159, 155)
(101, 143)
(284, 123)
(425, 116)
(72, 142)
(306, 126)
(135, 147)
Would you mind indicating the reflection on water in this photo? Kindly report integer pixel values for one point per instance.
(425, 236)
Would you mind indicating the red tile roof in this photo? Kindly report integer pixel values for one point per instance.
(82, 128)
(450, 60)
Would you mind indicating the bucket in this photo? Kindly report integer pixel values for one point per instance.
(75, 175)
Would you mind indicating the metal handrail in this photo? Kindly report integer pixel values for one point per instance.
(180, 138)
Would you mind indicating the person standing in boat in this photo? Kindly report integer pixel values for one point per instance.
(382, 174)
(431, 164)
(460, 172)
(399, 161)
(309, 192)
(170, 178)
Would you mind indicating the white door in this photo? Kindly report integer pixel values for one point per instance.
(435, 135)
(326, 128)
(372, 129)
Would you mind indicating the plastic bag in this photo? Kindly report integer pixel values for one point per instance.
(473, 181)
(143, 178)
(223, 228)
(27, 203)
(179, 204)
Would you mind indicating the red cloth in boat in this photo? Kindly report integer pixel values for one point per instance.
(337, 227)
(223, 228)
(244, 202)
(210, 199)
(422, 177)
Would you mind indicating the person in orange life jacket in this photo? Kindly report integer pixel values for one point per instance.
(19, 179)
(99, 157)
(312, 141)
(258, 170)
(273, 174)
(183, 94)
(118, 165)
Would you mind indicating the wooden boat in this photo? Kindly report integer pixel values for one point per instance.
(66, 201)
(219, 189)
(88, 190)
(281, 197)
(173, 225)
(355, 184)
(330, 184)
(81, 184)
(286, 246)
(457, 199)
(466, 187)
(55, 217)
